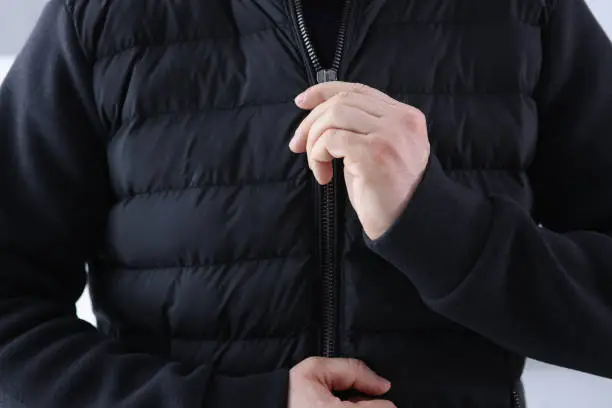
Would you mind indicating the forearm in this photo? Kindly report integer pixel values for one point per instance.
(535, 280)
(484, 263)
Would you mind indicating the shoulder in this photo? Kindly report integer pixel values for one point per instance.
(107, 27)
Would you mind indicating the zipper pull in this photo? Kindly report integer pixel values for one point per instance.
(327, 75)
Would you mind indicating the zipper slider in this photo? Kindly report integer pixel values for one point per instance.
(326, 75)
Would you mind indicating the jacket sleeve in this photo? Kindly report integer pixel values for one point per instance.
(54, 200)
(538, 284)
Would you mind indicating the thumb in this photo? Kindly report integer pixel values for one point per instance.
(343, 373)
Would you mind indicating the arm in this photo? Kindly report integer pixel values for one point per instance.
(485, 263)
(55, 197)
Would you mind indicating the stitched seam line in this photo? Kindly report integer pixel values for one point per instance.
(178, 42)
(202, 265)
(461, 93)
(500, 169)
(202, 111)
(124, 197)
(242, 184)
(457, 23)
(198, 111)
(279, 337)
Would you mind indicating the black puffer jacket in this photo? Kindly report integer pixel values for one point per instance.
(148, 139)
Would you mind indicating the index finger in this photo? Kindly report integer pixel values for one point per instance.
(317, 94)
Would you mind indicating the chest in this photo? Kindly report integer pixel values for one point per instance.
(198, 97)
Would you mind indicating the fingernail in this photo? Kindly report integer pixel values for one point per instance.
(383, 380)
(300, 98)
(386, 384)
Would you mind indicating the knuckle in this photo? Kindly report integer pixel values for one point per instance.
(358, 87)
(406, 116)
(420, 115)
(334, 138)
(414, 118)
(355, 364)
(343, 96)
(420, 119)
(312, 364)
(380, 149)
(329, 133)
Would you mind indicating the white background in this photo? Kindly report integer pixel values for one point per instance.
(546, 386)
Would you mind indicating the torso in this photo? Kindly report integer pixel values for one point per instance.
(212, 248)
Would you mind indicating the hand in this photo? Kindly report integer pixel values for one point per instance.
(383, 142)
(312, 381)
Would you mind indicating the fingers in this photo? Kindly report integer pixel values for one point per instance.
(342, 129)
(357, 117)
(341, 117)
(369, 404)
(334, 144)
(366, 103)
(342, 374)
(336, 133)
(318, 94)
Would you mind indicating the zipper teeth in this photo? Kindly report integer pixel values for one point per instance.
(517, 399)
(329, 276)
(312, 54)
(328, 192)
(341, 35)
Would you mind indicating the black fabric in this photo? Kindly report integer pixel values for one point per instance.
(149, 140)
(323, 20)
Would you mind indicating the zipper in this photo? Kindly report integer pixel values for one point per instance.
(327, 201)
(323, 74)
(518, 393)
(516, 399)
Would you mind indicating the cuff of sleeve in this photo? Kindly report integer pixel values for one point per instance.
(270, 390)
(436, 241)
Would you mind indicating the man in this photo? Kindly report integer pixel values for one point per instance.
(443, 208)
